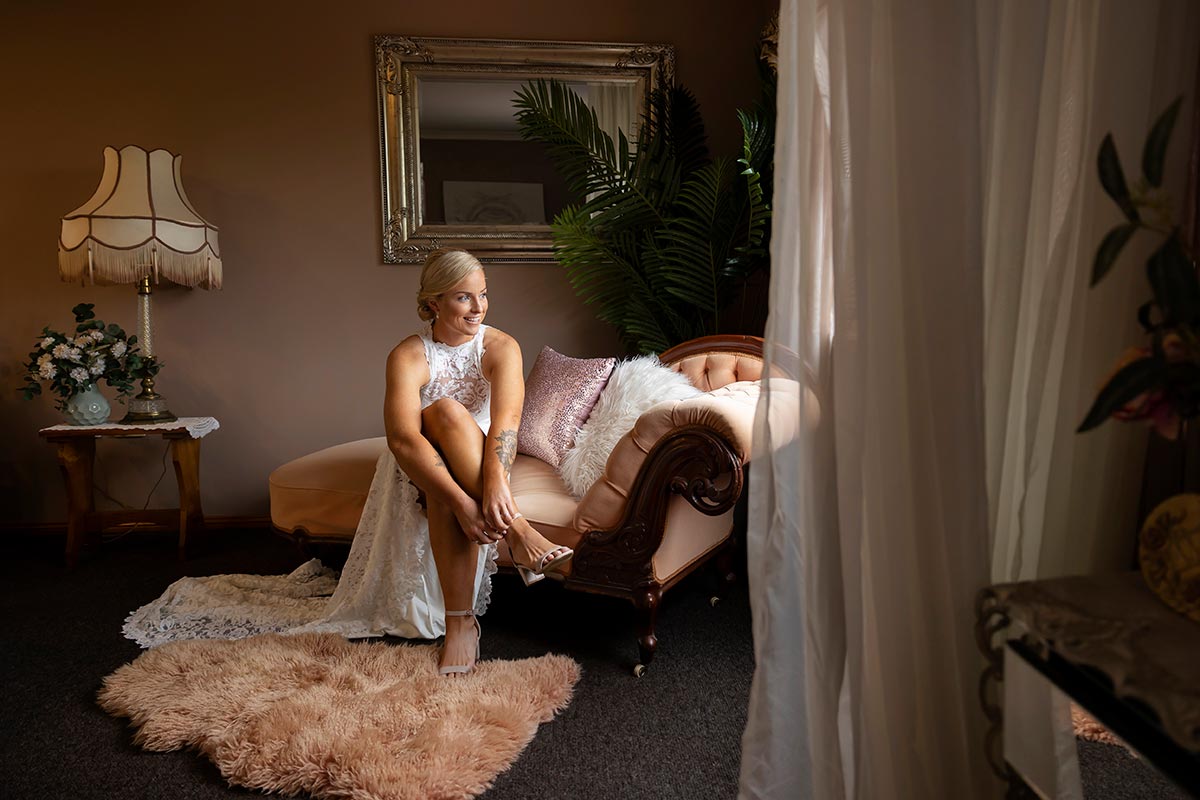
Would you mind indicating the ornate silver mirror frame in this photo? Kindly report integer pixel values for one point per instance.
(401, 61)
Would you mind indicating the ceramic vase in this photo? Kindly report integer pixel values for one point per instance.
(87, 407)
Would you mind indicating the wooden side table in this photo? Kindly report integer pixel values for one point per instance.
(77, 454)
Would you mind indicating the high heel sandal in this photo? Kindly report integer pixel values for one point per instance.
(553, 560)
(458, 669)
(561, 555)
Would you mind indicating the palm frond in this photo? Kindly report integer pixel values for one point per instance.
(550, 112)
(664, 237)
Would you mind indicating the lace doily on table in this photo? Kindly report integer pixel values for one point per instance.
(197, 427)
(1114, 624)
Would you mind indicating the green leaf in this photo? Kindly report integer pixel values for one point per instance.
(1112, 178)
(1143, 316)
(1176, 287)
(1155, 150)
(1110, 248)
(83, 311)
(1130, 381)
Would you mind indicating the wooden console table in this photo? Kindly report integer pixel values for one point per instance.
(77, 455)
(1114, 648)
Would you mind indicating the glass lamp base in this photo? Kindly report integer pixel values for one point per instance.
(148, 407)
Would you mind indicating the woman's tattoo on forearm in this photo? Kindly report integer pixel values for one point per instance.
(506, 448)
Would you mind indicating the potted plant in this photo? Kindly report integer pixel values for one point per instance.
(1158, 381)
(667, 236)
(73, 365)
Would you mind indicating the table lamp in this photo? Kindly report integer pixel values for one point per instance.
(139, 227)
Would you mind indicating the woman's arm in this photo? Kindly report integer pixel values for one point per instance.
(502, 366)
(407, 372)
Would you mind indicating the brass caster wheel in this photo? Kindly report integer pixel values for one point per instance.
(639, 670)
(712, 601)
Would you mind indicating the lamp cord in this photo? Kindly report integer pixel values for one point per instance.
(134, 526)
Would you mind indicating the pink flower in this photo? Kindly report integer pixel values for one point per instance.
(1154, 405)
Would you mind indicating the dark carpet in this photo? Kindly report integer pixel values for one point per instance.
(675, 733)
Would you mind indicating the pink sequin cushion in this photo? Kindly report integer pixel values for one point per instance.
(559, 394)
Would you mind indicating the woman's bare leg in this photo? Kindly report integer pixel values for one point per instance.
(452, 429)
(456, 557)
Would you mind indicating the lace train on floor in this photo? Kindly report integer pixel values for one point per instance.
(388, 585)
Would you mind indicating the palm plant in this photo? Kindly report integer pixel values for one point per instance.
(667, 236)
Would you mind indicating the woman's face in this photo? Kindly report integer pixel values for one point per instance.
(461, 310)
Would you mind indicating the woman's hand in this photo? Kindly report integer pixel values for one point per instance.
(474, 526)
(499, 508)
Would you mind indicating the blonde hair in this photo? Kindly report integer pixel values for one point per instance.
(444, 269)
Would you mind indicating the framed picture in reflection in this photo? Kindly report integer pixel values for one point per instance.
(493, 203)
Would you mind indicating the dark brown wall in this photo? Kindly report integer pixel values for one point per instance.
(273, 107)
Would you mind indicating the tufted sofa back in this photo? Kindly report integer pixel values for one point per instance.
(715, 361)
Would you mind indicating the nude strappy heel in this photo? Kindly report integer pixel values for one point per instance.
(553, 560)
(458, 669)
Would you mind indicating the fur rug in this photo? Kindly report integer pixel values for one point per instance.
(316, 714)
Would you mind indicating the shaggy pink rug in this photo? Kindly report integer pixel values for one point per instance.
(316, 714)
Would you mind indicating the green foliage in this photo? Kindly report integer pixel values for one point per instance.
(1160, 382)
(96, 352)
(666, 236)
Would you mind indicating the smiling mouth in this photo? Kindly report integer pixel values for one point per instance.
(471, 320)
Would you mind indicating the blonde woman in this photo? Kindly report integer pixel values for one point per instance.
(451, 413)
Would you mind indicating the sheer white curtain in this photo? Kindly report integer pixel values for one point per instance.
(930, 156)
(1056, 77)
(868, 530)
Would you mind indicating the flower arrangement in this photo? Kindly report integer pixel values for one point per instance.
(1158, 382)
(68, 364)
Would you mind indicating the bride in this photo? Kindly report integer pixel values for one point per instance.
(451, 413)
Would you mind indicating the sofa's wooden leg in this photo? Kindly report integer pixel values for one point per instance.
(725, 565)
(646, 601)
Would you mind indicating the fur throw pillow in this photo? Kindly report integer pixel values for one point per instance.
(634, 386)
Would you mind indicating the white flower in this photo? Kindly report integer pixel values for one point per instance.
(74, 354)
(96, 335)
(82, 340)
(49, 340)
(79, 374)
(47, 371)
(97, 366)
(118, 349)
(43, 360)
(62, 351)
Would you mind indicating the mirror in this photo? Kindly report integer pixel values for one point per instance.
(455, 171)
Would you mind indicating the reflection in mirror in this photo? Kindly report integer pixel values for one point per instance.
(475, 167)
(455, 169)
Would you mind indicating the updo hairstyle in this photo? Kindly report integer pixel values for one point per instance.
(443, 270)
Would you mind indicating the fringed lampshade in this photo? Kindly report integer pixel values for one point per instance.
(139, 227)
(139, 224)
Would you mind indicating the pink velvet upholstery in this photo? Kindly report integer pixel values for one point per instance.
(323, 493)
(708, 371)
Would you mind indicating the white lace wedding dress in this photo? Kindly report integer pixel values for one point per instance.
(389, 584)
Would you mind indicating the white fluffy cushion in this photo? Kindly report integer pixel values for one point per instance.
(635, 386)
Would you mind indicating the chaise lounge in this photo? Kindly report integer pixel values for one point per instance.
(664, 506)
